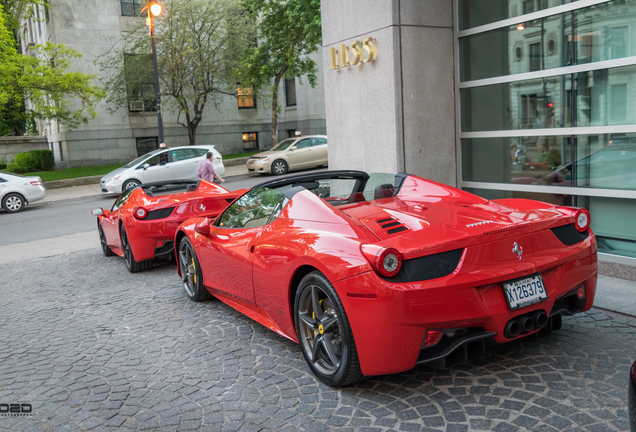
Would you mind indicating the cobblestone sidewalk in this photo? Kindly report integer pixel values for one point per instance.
(92, 347)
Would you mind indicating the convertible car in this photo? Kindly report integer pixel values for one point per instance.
(140, 226)
(373, 274)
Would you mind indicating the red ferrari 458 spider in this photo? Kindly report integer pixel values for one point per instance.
(373, 274)
(142, 222)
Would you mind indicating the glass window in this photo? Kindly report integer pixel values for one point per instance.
(250, 140)
(121, 199)
(131, 7)
(140, 84)
(284, 145)
(552, 42)
(200, 151)
(146, 145)
(552, 102)
(158, 159)
(290, 91)
(319, 141)
(183, 154)
(473, 13)
(251, 210)
(246, 97)
(600, 161)
(306, 143)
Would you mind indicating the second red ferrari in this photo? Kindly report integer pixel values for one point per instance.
(141, 224)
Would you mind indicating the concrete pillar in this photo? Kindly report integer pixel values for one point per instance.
(398, 112)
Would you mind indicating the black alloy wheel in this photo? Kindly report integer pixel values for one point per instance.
(131, 264)
(102, 240)
(191, 274)
(324, 332)
(130, 184)
(13, 203)
(279, 167)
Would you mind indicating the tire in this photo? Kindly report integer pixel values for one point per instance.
(102, 240)
(13, 203)
(131, 264)
(324, 332)
(279, 167)
(130, 184)
(191, 274)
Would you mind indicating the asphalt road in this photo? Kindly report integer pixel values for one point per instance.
(59, 219)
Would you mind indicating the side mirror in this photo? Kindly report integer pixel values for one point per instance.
(146, 165)
(292, 148)
(98, 212)
(203, 227)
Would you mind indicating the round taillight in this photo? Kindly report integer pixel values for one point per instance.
(582, 220)
(140, 212)
(388, 262)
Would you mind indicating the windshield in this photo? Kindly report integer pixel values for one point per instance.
(139, 159)
(284, 145)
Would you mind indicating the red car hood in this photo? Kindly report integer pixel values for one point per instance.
(420, 227)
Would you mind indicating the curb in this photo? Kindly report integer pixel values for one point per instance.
(236, 161)
(79, 181)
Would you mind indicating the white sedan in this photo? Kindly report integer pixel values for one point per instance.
(17, 191)
(176, 163)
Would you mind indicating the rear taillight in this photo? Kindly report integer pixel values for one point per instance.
(582, 220)
(387, 262)
(580, 215)
(140, 212)
(37, 182)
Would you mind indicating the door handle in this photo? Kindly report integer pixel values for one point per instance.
(252, 249)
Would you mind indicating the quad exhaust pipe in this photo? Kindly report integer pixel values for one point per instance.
(525, 324)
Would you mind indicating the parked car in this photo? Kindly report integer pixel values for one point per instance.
(291, 154)
(16, 191)
(177, 163)
(141, 224)
(632, 398)
(373, 274)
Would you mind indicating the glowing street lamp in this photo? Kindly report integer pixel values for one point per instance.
(154, 9)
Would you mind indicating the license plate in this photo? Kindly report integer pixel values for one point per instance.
(525, 292)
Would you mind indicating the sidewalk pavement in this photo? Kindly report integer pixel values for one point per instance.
(618, 295)
(78, 192)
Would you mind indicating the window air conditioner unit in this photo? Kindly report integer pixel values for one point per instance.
(136, 106)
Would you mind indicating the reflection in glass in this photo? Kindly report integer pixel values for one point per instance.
(600, 161)
(597, 98)
(600, 32)
(473, 13)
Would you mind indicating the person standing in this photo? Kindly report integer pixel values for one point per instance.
(206, 169)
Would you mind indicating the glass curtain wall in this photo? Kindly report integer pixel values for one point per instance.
(550, 102)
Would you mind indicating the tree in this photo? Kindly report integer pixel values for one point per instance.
(196, 45)
(288, 30)
(43, 80)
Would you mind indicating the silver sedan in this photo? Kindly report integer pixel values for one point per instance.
(18, 191)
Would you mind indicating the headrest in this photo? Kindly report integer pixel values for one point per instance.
(383, 191)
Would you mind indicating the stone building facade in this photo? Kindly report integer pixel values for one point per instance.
(91, 27)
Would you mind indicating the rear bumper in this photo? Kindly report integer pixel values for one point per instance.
(389, 330)
(35, 193)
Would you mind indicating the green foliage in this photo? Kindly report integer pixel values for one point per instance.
(42, 78)
(288, 30)
(197, 44)
(45, 160)
(33, 160)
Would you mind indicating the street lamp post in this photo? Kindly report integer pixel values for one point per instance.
(154, 9)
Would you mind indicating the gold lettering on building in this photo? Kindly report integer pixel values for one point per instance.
(358, 53)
